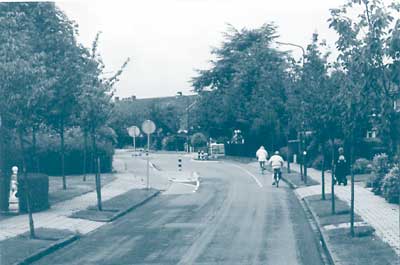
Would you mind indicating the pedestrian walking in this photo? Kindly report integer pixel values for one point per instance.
(341, 168)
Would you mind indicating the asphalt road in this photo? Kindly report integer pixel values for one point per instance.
(236, 217)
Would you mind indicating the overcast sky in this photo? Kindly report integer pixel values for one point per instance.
(167, 39)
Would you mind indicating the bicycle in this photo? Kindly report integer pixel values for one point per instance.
(277, 176)
(262, 167)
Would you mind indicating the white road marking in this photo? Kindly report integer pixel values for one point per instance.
(249, 173)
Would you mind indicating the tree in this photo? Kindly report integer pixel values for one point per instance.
(319, 100)
(22, 69)
(198, 140)
(364, 48)
(64, 62)
(95, 101)
(245, 88)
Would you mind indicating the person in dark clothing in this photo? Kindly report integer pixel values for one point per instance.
(341, 168)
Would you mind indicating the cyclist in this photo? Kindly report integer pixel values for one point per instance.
(262, 155)
(276, 162)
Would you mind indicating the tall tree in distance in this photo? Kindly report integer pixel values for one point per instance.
(247, 87)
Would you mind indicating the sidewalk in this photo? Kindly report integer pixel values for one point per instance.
(57, 216)
(382, 216)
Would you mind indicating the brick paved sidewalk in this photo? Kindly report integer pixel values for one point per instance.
(57, 215)
(381, 215)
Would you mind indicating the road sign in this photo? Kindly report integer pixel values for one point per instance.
(133, 131)
(148, 127)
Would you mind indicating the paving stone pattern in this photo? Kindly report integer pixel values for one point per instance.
(381, 215)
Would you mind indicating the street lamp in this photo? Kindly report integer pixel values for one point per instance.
(302, 64)
(295, 45)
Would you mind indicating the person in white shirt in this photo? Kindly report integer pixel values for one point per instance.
(262, 156)
(276, 162)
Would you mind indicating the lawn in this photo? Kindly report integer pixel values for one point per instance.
(16, 249)
(75, 186)
(364, 248)
(116, 206)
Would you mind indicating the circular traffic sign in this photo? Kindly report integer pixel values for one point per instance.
(133, 131)
(148, 127)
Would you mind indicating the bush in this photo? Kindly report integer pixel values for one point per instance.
(38, 190)
(380, 167)
(362, 166)
(198, 140)
(283, 151)
(317, 163)
(391, 186)
(174, 143)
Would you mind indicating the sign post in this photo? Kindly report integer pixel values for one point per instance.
(148, 127)
(134, 132)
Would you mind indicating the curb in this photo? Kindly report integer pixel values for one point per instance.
(127, 210)
(48, 250)
(332, 257)
(290, 183)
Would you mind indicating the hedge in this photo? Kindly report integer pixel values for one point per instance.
(49, 157)
(38, 189)
(362, 166)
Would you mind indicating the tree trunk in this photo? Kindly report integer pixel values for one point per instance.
(27, 190)
(301, 157)
(352, 186)
(323, 171)
(85, 147)
(64, 180)
(97, 169)
(98, 185)
(35, 159)
(333, 177)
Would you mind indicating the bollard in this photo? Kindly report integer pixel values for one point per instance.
(179, 164)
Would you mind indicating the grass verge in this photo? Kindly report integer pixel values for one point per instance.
(295, 179)
(117, 206)
(75, 186)
(24, 250)
(364, 248)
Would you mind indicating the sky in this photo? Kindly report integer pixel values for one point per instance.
(167, 40)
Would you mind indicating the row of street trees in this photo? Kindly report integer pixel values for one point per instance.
(50, 82)
(254, 87)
